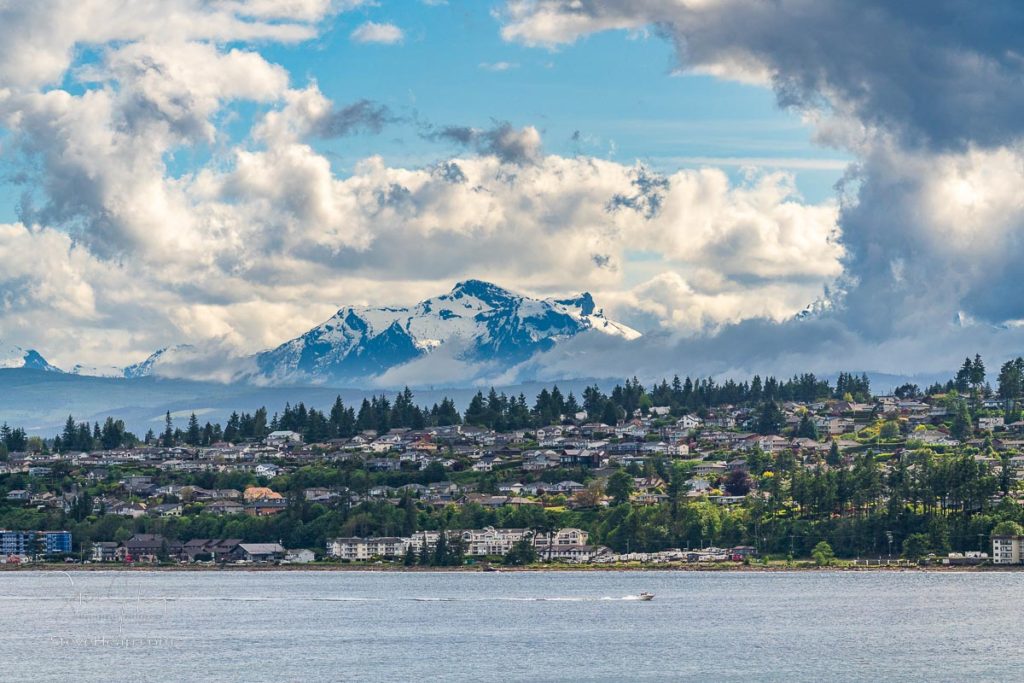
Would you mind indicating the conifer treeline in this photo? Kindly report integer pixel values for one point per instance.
(497, 410)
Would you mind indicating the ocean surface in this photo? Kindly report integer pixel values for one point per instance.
(538, 626)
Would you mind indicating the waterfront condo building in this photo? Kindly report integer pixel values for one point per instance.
(31, 543)
(1008, 549)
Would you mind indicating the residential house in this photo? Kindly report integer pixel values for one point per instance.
(207, 550)
(133, 510)
(255, 493)
(267, 469)
(104, 551)
(265, 507)
(283, 438)
(18, 496)
(988, 424)
(578, 554)
(834, 425)
(689, 422)
(261, 552)
(225, 507)
(165, 510)
(707, 469)
(148, 548)
(299, 556)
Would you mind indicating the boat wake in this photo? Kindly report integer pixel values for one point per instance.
(261, 598)
(576, 598)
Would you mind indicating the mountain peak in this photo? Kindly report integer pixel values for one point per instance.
(17, 357)
(484, 322)
(584, 302)
(146, 368)
(481, 324)
(480, 289)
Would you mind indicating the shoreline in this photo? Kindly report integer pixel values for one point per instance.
(682, 567)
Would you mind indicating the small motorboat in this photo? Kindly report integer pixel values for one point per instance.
(646, 597)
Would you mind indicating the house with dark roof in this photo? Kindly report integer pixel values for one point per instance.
(148, 548)
(261, 552)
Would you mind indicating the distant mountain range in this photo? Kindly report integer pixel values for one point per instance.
(476, 322)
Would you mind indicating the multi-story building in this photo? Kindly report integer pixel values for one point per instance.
(355, 549)
(31, 543)
(568, 536)
(1008, 549)
(484, 542)
(491, 541)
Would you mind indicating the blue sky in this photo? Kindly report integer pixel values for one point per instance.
(619, 91)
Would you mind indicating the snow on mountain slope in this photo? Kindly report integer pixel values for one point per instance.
(16, 357)
(94, 371)
(160, 357)
(487, 322)
(476, 323)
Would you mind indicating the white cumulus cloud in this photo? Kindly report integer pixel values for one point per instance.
(373, 32)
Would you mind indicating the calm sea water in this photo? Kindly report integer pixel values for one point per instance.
(558, 626)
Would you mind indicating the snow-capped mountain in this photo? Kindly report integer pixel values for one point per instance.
(475, 323)
(160, 357)
(17, 357)
(484, 322)
(96, 371)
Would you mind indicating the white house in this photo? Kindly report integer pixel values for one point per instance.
(703, 469)
(283, 437)
(988, 424)
(267, 469)
(300, 556)
(689, 422)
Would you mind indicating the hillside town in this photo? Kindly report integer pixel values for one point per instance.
(677, 472)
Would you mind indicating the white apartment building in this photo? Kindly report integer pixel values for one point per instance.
(355, 549)
(475, 542)
(491, 541)
(562, 538)
(1007, 549)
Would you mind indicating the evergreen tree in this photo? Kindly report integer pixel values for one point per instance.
(610, 413)
(70, 433)
(807, 429)
(834, 458)
(620, 486)
(476, 412)
(441, 549)
(771, 419)
(962, 426)
(168, 437)
(194, 435)
(962, 381)
(977, 373)
(1011, 379)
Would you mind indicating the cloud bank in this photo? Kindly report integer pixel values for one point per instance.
(925, 95)
(120, 249)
